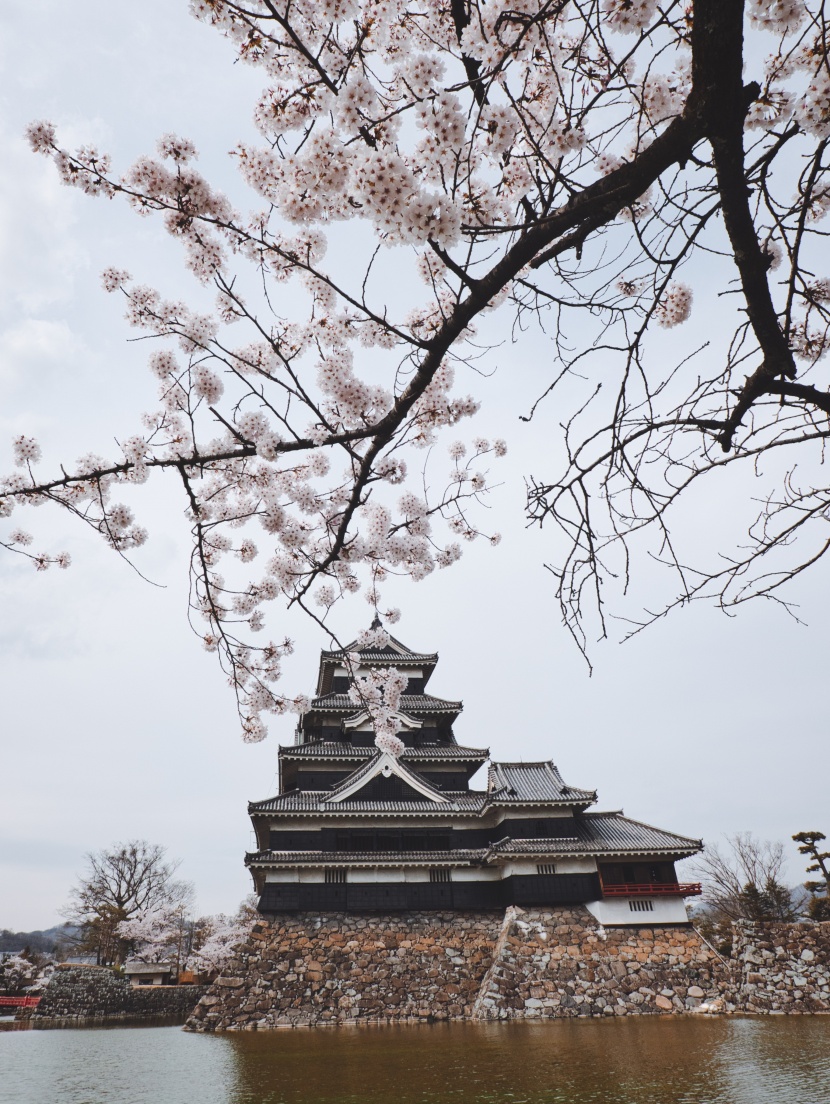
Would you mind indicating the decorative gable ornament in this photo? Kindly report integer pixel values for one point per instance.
(386, 766)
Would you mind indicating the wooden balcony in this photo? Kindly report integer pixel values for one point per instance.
(653, 889)
(19, 1002)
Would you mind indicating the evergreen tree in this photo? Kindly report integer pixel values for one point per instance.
(819, 907)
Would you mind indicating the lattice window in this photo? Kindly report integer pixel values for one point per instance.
(440, 874)
(641, 906)
(335, 876)
(545, 868)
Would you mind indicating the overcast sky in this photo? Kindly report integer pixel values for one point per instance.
(116, 724)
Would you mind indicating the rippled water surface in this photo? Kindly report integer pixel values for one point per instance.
(635, 1061)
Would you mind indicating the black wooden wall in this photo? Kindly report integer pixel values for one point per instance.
(530, 889)
(422, 838)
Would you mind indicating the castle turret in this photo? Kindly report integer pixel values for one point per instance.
(356, 828)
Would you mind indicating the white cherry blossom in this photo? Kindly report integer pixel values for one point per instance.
(498, 162)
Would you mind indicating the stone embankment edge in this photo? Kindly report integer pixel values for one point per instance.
(88, 996)
(407, 968)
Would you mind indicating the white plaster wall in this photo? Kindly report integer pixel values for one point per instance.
(372, 820)
(289, 824)
(528, 814)
(575, 866)
(421, 875)
(472, 874)
(355, 874)
(374, 874)
(615, 912)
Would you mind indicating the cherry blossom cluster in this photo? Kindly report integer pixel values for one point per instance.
(379, 691)
(454, 139)
(674, 305)
(154, 933)
(18, 972)
(220, 937)
(164, 934)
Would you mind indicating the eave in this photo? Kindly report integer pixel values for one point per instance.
(410, 703)
(263, 860)
(583, 852)
(339, 752)
(376, 810)
(543, 803)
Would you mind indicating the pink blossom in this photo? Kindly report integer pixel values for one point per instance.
(675, 305)
(41, 136)
(113, 278)
(26, 450)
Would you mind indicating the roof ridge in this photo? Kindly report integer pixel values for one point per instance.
(525, 763)
(439, 750)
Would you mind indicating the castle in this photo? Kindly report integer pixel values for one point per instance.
(355, 828)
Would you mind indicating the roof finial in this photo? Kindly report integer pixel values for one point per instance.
(376, 624)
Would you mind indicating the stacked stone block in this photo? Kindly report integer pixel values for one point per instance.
(342, 968)
(78, 995)
(560, 963)
(407, 967)
(783, 967)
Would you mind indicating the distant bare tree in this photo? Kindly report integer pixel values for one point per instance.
(742, 882)
(119, 884)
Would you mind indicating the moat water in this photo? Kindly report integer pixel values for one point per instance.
(771, 1060)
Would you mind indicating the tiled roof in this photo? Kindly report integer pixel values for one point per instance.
(314, 802)
(386, 655)
(331, 750)
(399, 652)
(410, 703)
(604, 833)
(518, 783)
(616, 830)
(148, 967)
(395, 858)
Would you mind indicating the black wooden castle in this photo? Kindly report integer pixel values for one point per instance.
(354, 828)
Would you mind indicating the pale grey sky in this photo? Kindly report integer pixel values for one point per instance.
(117, 724)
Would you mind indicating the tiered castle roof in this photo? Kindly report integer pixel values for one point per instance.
(416, 811)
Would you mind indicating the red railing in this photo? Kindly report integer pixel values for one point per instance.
(652, 889)
(19, 1002)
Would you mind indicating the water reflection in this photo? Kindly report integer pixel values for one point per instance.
(127, 1065)
(634, 1061)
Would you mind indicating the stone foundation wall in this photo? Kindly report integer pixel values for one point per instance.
(78, 995)
(561, 962)
(554, 962)
(340, 968)
(782, 967)
(408, 967)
